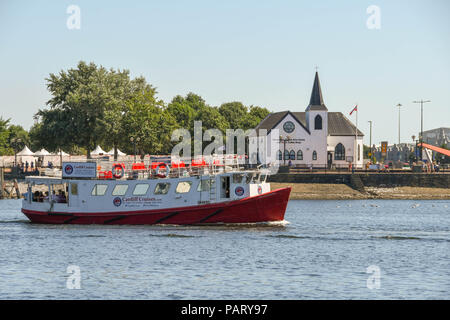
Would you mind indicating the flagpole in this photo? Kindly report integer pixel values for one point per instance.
(356, 134)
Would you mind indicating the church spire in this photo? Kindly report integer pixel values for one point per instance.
(316, 102)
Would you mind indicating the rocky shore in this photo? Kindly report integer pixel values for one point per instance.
(319, 191)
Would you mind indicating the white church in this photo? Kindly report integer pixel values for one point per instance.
(315, 138)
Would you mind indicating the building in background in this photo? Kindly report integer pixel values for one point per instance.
(316, 137)
(437, 137)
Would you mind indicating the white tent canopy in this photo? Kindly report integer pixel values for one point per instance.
(119, 153)
(25, 152)
(60, 152)
(42, 152)
(98, 152)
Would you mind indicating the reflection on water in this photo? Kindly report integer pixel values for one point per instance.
(323, 252)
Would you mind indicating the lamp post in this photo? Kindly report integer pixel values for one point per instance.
(399, 105)
(284, 150)
(413, 137)
(421, 124)
(370, 144)
(134, 141)
(15, 142)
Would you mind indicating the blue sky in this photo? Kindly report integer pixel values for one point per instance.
(258, 52)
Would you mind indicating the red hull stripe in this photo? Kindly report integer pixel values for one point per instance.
(266, 207)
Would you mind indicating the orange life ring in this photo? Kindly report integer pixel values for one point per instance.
(118, 171)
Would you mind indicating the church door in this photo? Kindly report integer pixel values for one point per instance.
(330, 159)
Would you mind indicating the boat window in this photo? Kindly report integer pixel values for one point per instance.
(162, 188)
(183, 187)
(237, 177)
(262, 178)
(205, 185)
(99, 190)
(248, 178)
(120, 190)
(74, 189)
(140, 189)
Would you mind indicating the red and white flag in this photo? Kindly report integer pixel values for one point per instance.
(354, 109)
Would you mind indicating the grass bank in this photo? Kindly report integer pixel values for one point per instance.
(319, 191)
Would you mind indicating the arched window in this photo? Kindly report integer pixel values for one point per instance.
(292, 155)
(299, 155)
(318, 122)
(339, 152)
(280, 155)
(286, 155)
(314, 156)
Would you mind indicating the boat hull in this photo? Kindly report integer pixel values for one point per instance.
(267, 207)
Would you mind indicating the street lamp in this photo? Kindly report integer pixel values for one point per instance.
(134, 141)
(421, 124)
(15, 142)
(399, 105)
(370, 144)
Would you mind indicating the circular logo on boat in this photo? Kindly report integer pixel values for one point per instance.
(259, 190)
(68, 169)
(117, 201)
(239, 191)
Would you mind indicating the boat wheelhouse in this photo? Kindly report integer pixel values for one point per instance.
(202, 192)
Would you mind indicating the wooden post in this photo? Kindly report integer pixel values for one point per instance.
(16, 186)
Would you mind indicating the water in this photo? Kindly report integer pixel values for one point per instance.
(323, 253)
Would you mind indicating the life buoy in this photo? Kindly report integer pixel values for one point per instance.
(118, 171)
(162, 175)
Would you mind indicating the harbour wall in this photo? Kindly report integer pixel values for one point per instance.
(360, 180)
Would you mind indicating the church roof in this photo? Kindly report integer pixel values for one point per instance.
(316, 101)
(338, 124)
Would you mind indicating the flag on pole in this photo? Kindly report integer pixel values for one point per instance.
(354, 109)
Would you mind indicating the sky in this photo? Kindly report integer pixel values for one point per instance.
(259, 52)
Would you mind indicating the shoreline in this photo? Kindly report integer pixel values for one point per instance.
(319, 191)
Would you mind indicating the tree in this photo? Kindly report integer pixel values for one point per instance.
(254, 117)
(235, 113)
(146, 119)
(87, 107)
(4, 137)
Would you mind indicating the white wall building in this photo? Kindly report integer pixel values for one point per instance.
(316, 137)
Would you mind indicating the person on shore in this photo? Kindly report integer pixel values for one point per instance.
(26, 166)
(32, 165)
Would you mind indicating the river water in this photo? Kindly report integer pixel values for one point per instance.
(369, 249)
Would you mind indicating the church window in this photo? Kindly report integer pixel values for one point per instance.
(314, 155)
(318, 122)
(300, 155)
(292, 155)
(339, 152)
(286, 154)
(280, 155)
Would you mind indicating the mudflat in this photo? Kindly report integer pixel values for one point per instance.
(319, 191)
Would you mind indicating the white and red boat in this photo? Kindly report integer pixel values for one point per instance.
(154, 193)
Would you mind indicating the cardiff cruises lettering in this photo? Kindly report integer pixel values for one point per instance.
(141, 202)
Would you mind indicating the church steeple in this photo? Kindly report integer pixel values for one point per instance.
(316, 101)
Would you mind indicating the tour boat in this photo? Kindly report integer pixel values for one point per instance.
(201, 193)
